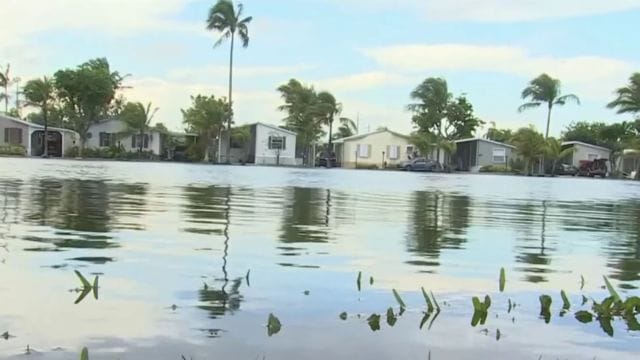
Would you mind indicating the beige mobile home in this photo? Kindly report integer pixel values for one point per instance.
(382, 148)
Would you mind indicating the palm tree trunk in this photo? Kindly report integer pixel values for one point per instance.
(546, 134)
(46, 132)
(233, 36)
(330, 144)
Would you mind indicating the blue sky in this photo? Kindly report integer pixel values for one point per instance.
(369, 53)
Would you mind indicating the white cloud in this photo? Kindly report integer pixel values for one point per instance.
(499, 10)
(362, 81)
(222, 72)
(590, 76)
(171, 96)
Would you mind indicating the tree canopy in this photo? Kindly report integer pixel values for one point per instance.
(206, 117)
(628, 97)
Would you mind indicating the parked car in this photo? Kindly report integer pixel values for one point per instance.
(419, 164)
(593, 168)
(325, 161)
(566, 169)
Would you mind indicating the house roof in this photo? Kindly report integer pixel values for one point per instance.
(33, 125)
(485, 140)
(360, 136)
(585, 144)
(274, 127)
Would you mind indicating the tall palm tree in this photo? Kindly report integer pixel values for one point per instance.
(41, 93)
(554, 152)
(545, 90)
(347, 128)
(227, 20)
(138, 118)
(329, 108)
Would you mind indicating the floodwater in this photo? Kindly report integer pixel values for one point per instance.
(192, 259)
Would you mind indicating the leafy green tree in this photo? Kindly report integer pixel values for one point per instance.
(304, 116)
(424, 142)
(437, 112)
(500, 135)
(227, 20)
(530, 145)
(86, 93)
(138, 118)
(553, 151)
(206, 117)
(545, 90)
(347, 128)
(40, 93)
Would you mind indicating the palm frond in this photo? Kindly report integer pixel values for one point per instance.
(527, 106)
(225, 35)
(565, 98)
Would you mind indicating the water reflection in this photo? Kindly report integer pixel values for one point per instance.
(624, 251)
(206, 209)
(221, 301)
(437, 221)
(306, 216)
(532, 244)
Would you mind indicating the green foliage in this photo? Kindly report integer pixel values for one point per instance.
(437, 112)
(343, 316)
(628, 97)
(500, 135)
(545, 90)
(480, 310)
(206, 117)
(500, 169)
(399, 299)
(391, 317)
(584, 316)
(503, 279)
(430, 306)
(227, 20)
(12, 150)
(273, 325)
(347, 128)
(612, 290)
(359, 280)
(530, 145)
(86, 93)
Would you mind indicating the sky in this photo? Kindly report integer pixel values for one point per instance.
(369, 53)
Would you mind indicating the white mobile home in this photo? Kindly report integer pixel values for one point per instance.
(20, 133)
(266, 145)
(584, 151)
(113, 132)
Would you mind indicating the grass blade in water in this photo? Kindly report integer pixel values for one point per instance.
(503, 279)
(370, 280)
(612, 290)
(359, 280)
(435, 303)
(85, 284)
(83, 294)
(430, 307)
(566, 305)
(545, 307)
(247, 278)
(399, 299)
(95, 287)
(581, 282)
(84, 355)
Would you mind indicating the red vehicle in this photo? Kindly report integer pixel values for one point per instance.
(592, 168)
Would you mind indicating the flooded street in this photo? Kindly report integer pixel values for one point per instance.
(192, 259)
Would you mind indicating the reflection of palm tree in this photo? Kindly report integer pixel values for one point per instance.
(535, 259)
(304, 220)
(438, 222)
(624, 251)
(219, 302)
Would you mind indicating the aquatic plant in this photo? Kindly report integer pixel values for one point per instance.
(503, 279)
(399, 299)
(86, 288)
(273, 325)
(480, 310)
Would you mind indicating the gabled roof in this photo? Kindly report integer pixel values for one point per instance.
(361, 136)
(484, 140)
(572, 143)
(274, 127)
(33, 125)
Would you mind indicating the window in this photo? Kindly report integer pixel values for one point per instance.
(499, 155)
(394, 152)
(135, 141)
(13, 136)
(363, 150)
(592, 157)
(107, 139)
(277, 142)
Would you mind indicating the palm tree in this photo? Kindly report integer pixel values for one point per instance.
(554, 152)
(545, 90)
(628, 102)
(530, 145)
(628, 97)
(227, 20)
(5, 81)
(41, 93)
(347, 128)
(138, 118)
(329, 108)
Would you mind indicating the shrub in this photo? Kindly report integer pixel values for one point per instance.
(495, 169)
(13, 150)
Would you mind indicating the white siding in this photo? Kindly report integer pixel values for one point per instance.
(117, 126)
(266, 156)
(585, 152)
